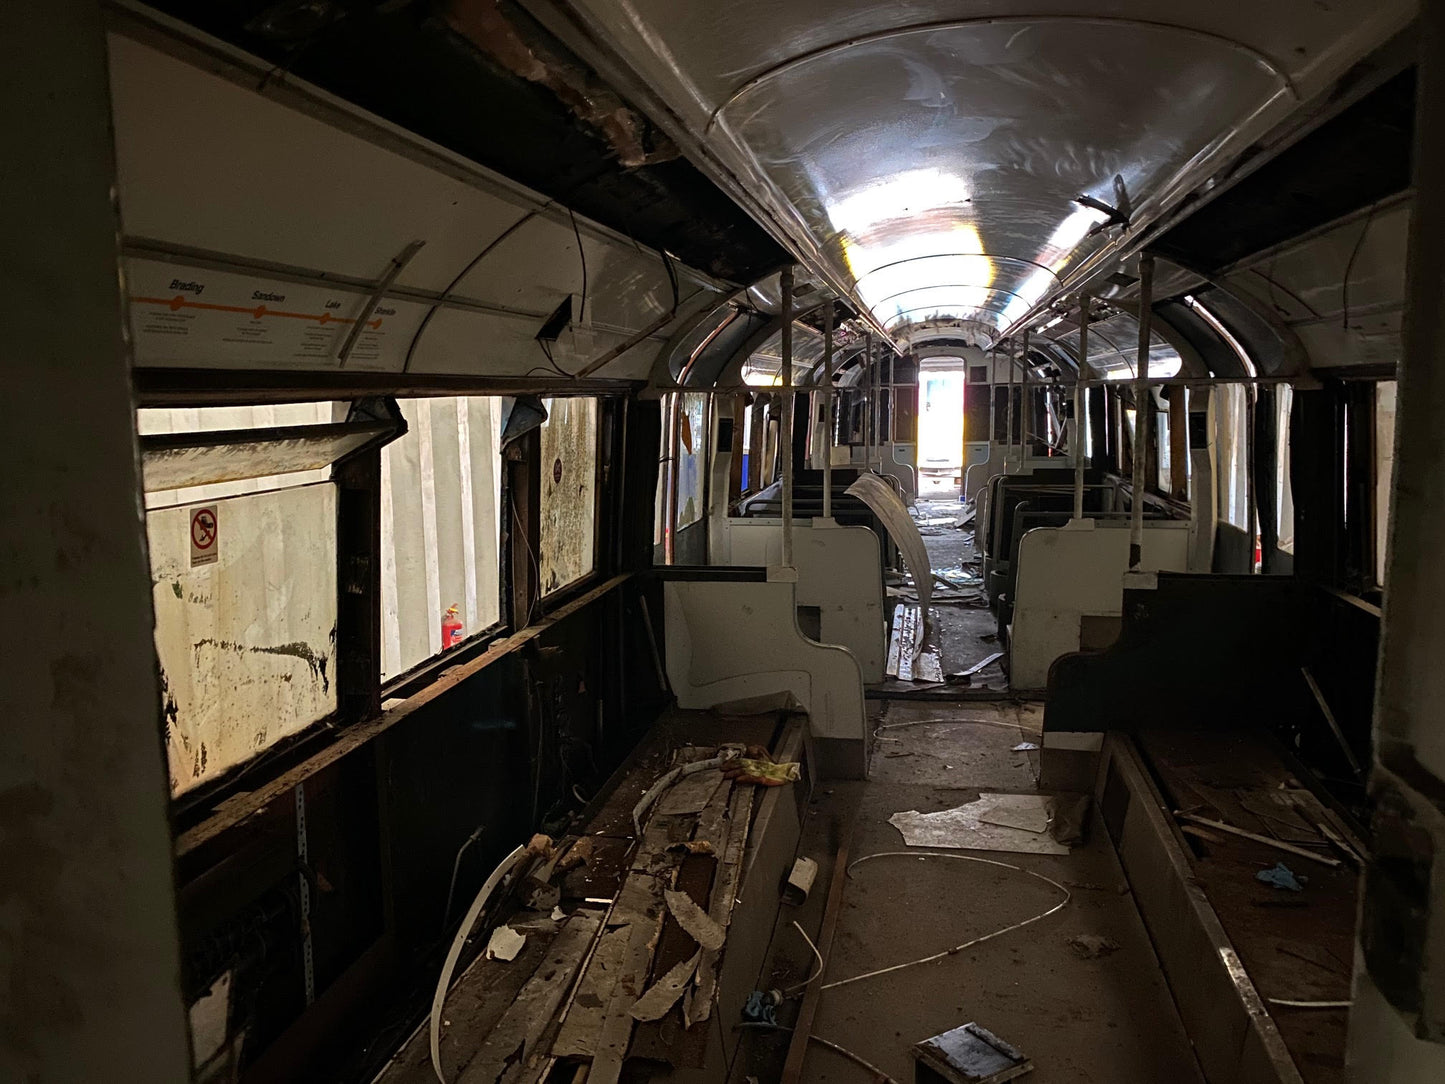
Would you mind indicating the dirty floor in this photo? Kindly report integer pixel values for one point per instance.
(963, 629)
(1081, 1017)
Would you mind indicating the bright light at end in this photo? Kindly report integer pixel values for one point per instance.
(905, 196)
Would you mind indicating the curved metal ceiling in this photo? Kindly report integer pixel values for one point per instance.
(953, 151)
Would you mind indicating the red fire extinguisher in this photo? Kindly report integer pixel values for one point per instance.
(451, 628)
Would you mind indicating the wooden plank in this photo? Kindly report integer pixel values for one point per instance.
(667, 1038)
(798, 1048)
(514, 1041)
(475, 1005)
(580, 1028)
(1322, 859)
(724, 896)
(244, 806)
(692, 793)
(639, 909)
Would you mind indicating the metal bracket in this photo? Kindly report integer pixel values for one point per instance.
(303, 859)
(398, 262)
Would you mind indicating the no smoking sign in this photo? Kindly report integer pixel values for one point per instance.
(205, 536)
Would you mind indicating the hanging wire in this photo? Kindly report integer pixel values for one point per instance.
(1350, 266)
(577, 233)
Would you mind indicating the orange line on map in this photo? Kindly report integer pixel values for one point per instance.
(179, 302)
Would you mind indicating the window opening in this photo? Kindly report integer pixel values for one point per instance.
(1385, 401)
(441, 521)
(241, 520)
(1231, 437)
(1284, 493)
(567, 543)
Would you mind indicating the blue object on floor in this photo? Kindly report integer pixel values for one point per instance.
(1282, 877)
(760, 1009)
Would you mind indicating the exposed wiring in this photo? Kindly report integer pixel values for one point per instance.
(506, 866)
(967, 944)
(672, 278)
(1350, 266)
(879, 1076)
(818, 956)
(551, 361)
(536, 564)
(583, 257)
(456, 865)
(463, 273)
(1274, 284)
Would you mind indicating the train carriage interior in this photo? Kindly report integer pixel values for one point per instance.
(619, 541)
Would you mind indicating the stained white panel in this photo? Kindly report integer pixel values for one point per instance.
(246, 645)
(569, 492)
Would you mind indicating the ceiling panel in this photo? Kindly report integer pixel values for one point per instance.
(951, 151)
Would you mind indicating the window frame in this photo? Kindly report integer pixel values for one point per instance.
(362, 696)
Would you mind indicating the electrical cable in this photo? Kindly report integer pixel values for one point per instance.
(463, 273)
(798, 987)
(672, 278)
(879, 1076)
(552, 361)
(583, 257)
(456, 865)
(506, 866)
(969, 943)
(1350, 266)
(536, 565)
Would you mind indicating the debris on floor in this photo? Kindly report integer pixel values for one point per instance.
(694, 920)
(759, 768)
(630, 969)
(1220, 826)
(1069, 818)
(993, 822)
(971, 1054)
(761, 1008)
(958, 577)
(966, 676)
(663, 994)
(505, 943)
(800, 880)
(1281, 876)
(1092, 946)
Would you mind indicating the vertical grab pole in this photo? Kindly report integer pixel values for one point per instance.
(1079, 406)
(1025, 407)
(785, 423)
(890, 418)
(673, 403)
(1251, 398)
(828, 409)
(1008, 414)
(867, 398)
(1142, 410)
